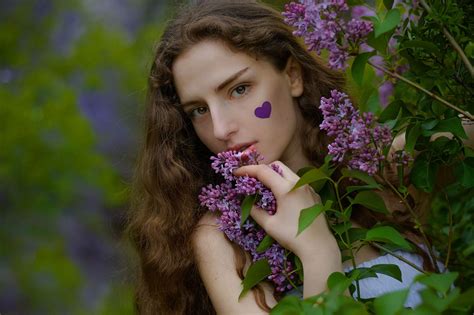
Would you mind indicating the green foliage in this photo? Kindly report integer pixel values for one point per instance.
(265, 244)
(414, 42)
(308, 215)
(257, 272)
(390, 21)
(50, 154)
(247, 205)
(370, 200)
(387, 234)
(391, 303)
(451, 225)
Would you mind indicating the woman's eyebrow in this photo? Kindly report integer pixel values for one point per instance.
(231, 78)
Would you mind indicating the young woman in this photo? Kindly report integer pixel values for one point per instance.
(216, 63)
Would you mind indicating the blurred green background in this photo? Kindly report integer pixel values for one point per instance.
(72, 84)
(72, 87)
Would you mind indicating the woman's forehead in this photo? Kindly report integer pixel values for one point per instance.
(208, 64)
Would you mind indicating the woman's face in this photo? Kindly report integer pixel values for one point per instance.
(235, 100)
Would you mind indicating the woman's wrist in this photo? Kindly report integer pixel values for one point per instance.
(318, 263)
(328, 252)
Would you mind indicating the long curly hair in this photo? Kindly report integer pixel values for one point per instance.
(174, 164)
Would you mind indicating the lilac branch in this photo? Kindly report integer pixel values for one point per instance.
(406, 261)
(419, 87)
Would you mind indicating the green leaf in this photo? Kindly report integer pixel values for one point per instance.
(356, 234)
(390, 270)
(257, 272)
(423, 173)
(465, 299)
(388, 4)
(363, 187)
(410, 138)
(309, 177)
(265, 244)
(373, 103)
(388, 24)
(338, 281)
(428, 46)
(380, 43)
(468, 152)
(453, 125)
(441, 282)
(371, 200)
(390, 303)
(308, 215)
(358, 66)
(387, 234)
(361, 273)
(289, 305)
(299, 267)
(391, 111)
(366, 178)
(430, 124)
(466, 171)
(246, 206)
(469, 50)
(325, 168)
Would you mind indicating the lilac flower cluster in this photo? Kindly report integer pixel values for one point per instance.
(357, 138)
(323, 26)
(401, 158)
(226, 198)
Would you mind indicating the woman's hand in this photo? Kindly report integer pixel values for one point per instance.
(283, 225)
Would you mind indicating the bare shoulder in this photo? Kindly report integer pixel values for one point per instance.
(207, 233)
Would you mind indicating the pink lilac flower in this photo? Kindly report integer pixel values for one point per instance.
(323, 26)
(226, 199)
(357, 139)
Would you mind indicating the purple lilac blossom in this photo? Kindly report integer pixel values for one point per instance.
(322, 24)
(401, 158)
(226, 199)
(357, 139)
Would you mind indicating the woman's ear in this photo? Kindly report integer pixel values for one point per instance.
(294, 74)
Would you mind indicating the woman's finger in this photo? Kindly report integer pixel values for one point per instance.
(260, 216)
(277, 184)
(287, 173)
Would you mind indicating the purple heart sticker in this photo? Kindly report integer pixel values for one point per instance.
(264, 111)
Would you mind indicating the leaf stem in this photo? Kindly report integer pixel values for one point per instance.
(398, 257)
(419, 87)
(452, 41)
(348, 240)
(287, 275)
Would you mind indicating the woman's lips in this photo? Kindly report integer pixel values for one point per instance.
(241, 146)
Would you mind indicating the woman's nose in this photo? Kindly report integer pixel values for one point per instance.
(224, 122)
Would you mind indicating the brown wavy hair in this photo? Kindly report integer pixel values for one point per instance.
(174, 164)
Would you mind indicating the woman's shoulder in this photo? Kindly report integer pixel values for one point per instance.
(208, 237)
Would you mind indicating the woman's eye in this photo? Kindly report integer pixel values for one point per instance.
(240, 90)
(198, 111)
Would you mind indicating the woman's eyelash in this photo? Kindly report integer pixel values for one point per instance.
(245, 90)
(192, 113)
